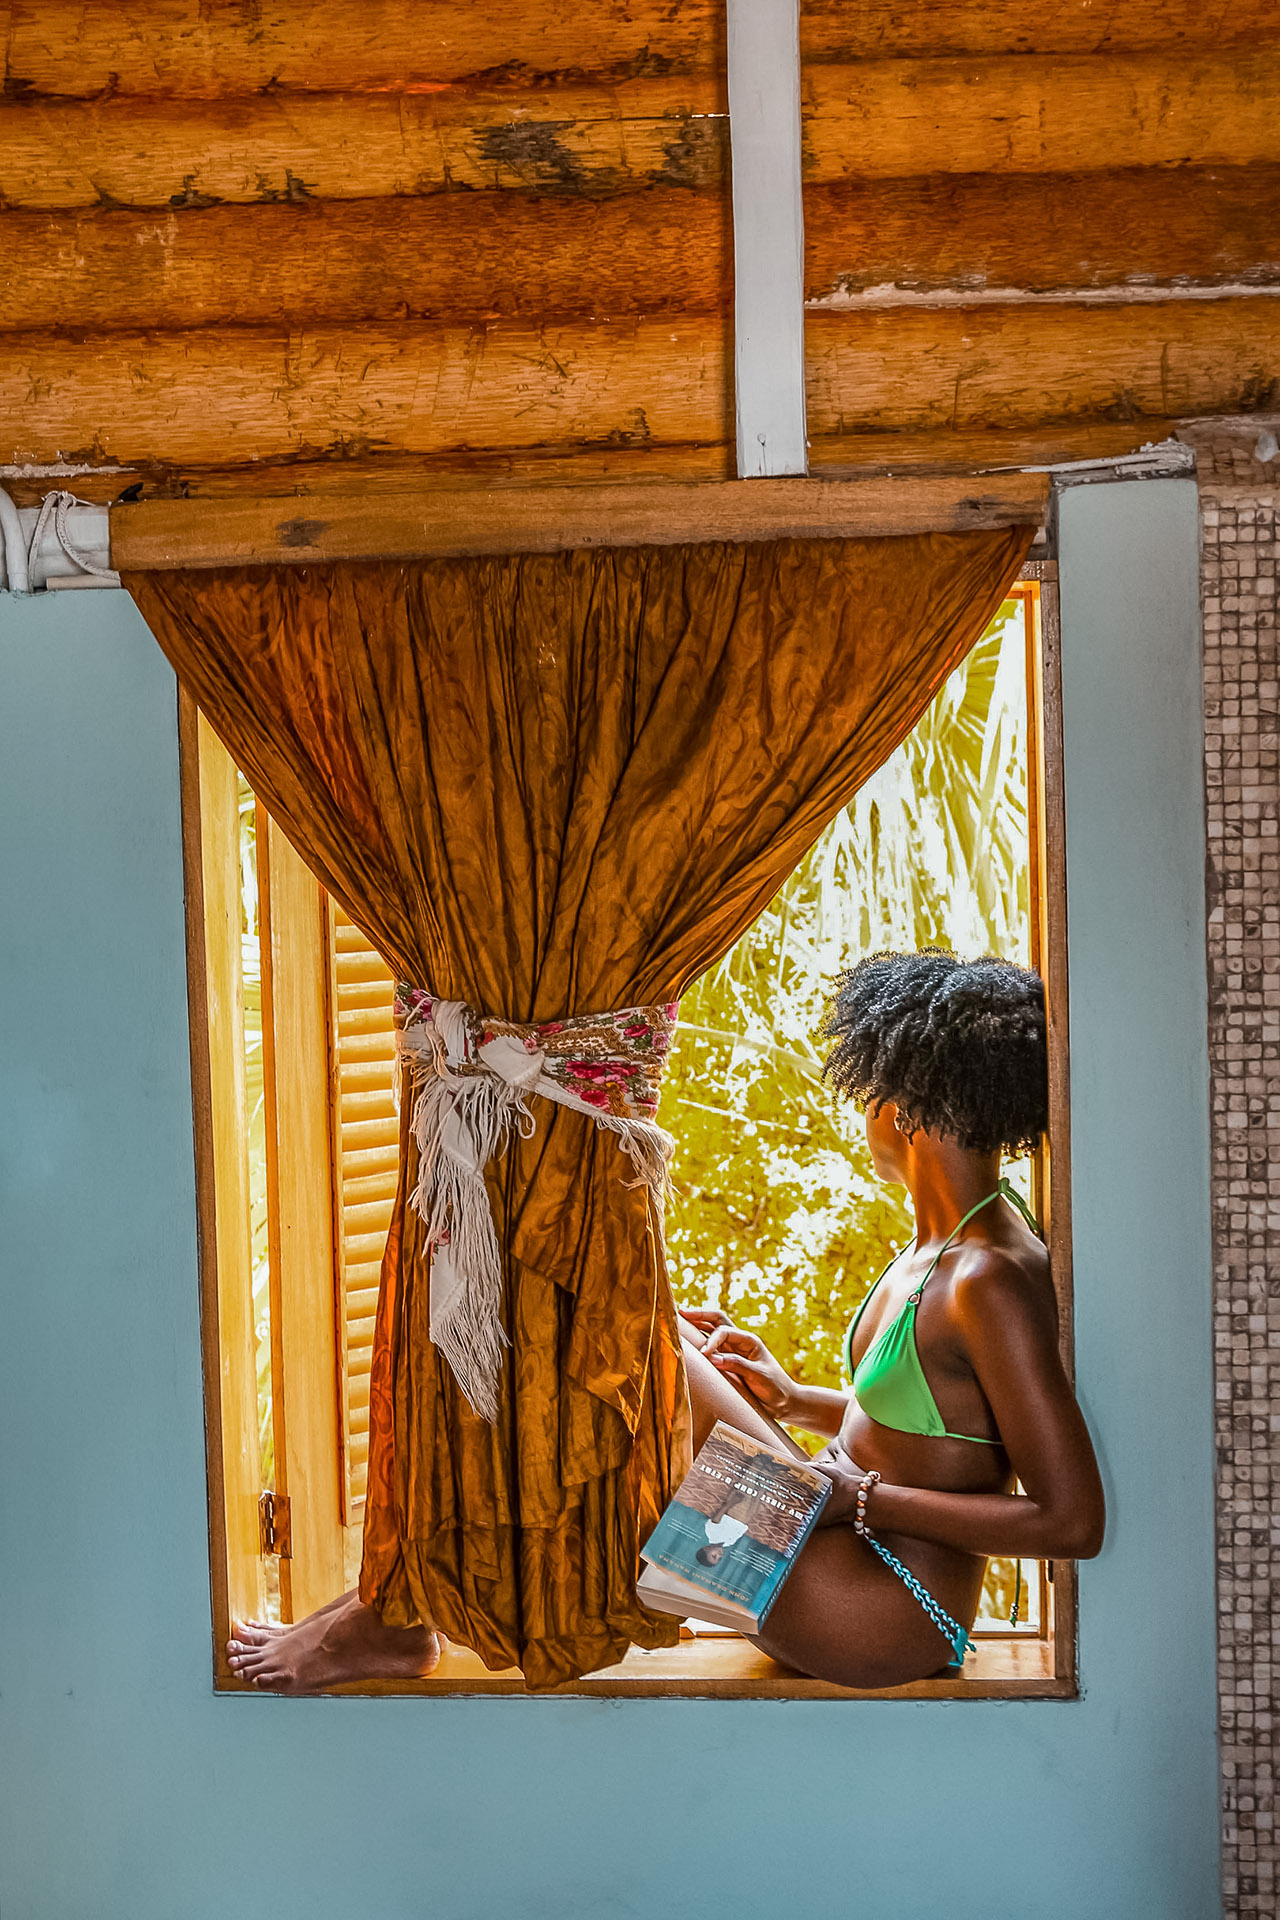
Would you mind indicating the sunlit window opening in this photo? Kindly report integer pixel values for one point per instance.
(777, 1217)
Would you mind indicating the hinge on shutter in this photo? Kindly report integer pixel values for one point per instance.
(274, 1529)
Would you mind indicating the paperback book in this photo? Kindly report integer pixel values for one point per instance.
(728, 1540)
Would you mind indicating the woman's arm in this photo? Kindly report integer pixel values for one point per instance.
(1008, 1324)
(744, 1359)
(818, 1410)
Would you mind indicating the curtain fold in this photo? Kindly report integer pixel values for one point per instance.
(550, 784)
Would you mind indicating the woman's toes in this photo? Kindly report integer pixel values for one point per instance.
(270, 1677)
(256, 1633)
(244, 1665)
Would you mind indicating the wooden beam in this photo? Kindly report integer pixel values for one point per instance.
(1195, 226)
(380, 473)
(768, 236)
(199, 533)
(879, 119)
(190, 47)
(455, 257)
(919, 370)
(1063, 114)
(880, 29)
(514, 255)
(182, 153)
(981, 451)
(216, 398)
(509, 255)
(187, 47)
(845, 456)
(235, 397)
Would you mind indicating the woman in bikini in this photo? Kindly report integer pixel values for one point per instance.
(957, 1389)
(957, 1386)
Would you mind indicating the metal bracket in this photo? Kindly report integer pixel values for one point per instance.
(275, 1524)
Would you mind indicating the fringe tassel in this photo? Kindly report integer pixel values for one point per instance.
(460, 1123)
(459, 1126)
(649, 1149)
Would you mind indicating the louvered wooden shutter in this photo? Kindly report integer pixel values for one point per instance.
(365, 1157)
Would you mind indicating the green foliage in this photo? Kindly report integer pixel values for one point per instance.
(778, 1217)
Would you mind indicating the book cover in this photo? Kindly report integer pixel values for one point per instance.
(739, 1518)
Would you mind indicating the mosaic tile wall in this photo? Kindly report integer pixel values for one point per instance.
(1240, 510)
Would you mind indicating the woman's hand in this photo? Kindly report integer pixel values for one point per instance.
(704, 1321)
(745, 1359)
(845, 1477)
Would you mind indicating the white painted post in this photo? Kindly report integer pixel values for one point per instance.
(768, 236)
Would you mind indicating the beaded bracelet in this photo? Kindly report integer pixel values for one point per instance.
(864, 1488)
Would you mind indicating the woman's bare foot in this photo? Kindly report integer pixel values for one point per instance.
(343, 1641)
(256, 1633)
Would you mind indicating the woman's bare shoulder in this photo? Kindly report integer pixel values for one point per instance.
(1006, 1278)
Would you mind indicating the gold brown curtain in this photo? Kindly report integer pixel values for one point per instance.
(547, 784)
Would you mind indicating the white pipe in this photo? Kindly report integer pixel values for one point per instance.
(15, 546)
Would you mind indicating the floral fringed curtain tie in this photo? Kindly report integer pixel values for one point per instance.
(470, 1077)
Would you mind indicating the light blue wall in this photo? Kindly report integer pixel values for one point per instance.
(131, 1791)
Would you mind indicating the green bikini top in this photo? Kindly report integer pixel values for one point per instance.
(888, 1382)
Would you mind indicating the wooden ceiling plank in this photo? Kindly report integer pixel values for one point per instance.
(881, 29)
(1195, 226)
(921, 370)
(386, 472)
(186, 533)
(894, 118)
(454, 258)
(853, 456)
(446, 257)
(832, 456)
(188, 47)
(877, 120)
(193, 48)
(835, 456)
(229, 396)
(211, 399)
(271, 147)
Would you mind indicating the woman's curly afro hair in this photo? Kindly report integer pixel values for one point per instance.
(958, 1046)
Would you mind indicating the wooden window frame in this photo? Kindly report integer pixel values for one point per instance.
(308, 1415)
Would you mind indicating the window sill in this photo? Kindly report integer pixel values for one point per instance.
(731, 1669)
